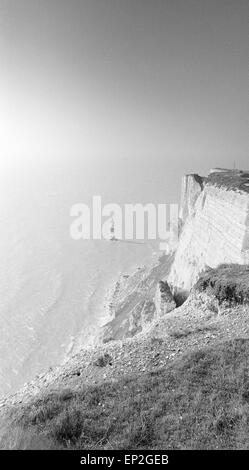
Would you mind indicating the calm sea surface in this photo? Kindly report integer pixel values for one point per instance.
(51, 287)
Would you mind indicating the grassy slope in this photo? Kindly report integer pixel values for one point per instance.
(199, 402)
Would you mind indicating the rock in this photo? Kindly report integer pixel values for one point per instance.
(164, 300)
(204, 301)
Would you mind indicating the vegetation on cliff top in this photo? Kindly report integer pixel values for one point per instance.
(231, 180)
(228, 283)
(200, 402)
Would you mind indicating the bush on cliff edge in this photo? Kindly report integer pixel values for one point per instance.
(229, 283)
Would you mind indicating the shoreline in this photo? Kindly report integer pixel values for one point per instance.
(130, 302)
(111, 299)
(119, 283)
(91, 336)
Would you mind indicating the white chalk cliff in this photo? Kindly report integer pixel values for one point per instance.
(214, 221)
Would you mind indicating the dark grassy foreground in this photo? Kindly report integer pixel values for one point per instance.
(200, 402)
(228, 283)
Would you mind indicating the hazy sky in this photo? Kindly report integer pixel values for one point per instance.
(121, 82)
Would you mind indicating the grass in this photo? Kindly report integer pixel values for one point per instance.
(179, 333)
(230, 180)
(200, 402)
(228, 283)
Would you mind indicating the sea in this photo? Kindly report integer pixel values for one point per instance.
(53, 289)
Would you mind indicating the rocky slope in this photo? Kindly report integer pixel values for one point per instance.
(135, 301)
(197, 323)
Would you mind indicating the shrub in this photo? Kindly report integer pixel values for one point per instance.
(228, 283)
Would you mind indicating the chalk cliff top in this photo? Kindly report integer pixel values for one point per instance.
(235, 180)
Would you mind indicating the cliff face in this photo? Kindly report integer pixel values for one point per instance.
(215, 218)
(192, 186)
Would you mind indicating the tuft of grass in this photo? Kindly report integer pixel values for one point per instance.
(183, 333)
(19, 438)
(67, 427)
(199, 402)
(229, 283)
(103, 360)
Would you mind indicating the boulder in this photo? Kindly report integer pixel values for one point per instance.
(164, 300)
